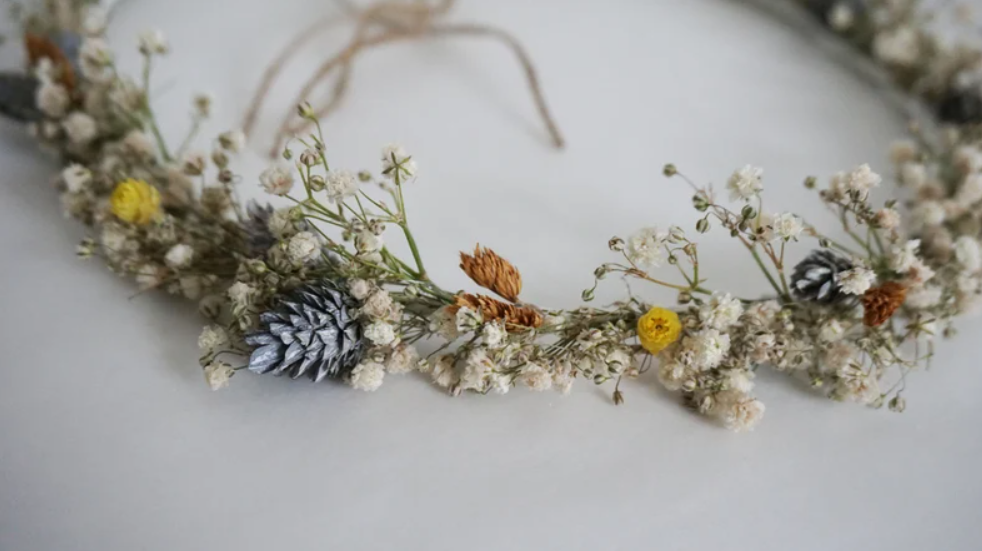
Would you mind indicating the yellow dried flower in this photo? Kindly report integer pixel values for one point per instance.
(658, 328)
(135, 201)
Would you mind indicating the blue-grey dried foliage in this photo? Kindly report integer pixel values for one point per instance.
(256, 227)
(312, 332)
(960, 107)
(816, 277)
(18, 93)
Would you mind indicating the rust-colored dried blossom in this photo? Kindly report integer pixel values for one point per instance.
(492, 272)
(39, 47)
(879, 303)
(493, 309)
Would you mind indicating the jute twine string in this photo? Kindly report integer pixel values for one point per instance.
(382, 23)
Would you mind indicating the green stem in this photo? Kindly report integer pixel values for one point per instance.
(763, 268)
(195, 127)
(404, 223)
(151, 119)
(780, 271)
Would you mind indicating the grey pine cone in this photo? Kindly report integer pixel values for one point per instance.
(814, 278)
(312, 332)
(256, 227)
(258, 236)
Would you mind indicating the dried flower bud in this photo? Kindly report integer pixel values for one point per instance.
(700, 202)
(211, 306)
(618, 397)
(316, 182)
(306, 111)
(490, 271)
(670, 170)
(202, 105)
(706, 404)
(226, 176)
(193, 164)
(309, 157)
(616, 244)
(601, 272)
(232, 141)
(220, 158)
(153, 42)
(811, 182)
(702, 226)
(215, 200)
(86, 248)
(748, 212)
(287, 154)
(897, 404)
(587, 295)
(676, 235)
(257, 266)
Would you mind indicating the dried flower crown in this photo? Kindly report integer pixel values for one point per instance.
(312, 290)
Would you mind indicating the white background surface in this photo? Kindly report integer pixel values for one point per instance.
(110, 440)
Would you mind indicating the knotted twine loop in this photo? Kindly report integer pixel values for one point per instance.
(382, 23)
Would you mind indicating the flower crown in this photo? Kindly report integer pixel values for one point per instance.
(312, 290)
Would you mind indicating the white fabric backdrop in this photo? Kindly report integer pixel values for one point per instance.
(110, 440)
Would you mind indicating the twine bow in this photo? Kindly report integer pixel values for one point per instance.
(382, 23)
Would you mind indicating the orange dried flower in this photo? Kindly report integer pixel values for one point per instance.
(490, 271)
(39, 47)
(494, 309)
(879, 303)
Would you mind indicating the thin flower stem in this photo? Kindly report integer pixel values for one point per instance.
(377, 204)
(151, 119)
(780, 271)
(404, 222)
(195, 127)
(763, 267)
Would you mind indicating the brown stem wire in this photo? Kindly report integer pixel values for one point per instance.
(383, 23)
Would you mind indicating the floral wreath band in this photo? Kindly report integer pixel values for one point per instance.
(311, 290)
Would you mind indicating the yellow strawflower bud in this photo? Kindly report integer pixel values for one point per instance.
(135, 201)
(658, 328)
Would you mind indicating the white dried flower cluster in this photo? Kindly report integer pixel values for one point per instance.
(304, 247)
(397, 163)
(340, 184)
(277, 179)
(645, 248)
(746, 183)
(856, 281)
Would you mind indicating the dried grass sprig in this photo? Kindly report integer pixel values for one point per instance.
(492, 272)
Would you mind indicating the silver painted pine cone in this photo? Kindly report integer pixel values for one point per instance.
(814, 278)
(312, 332)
